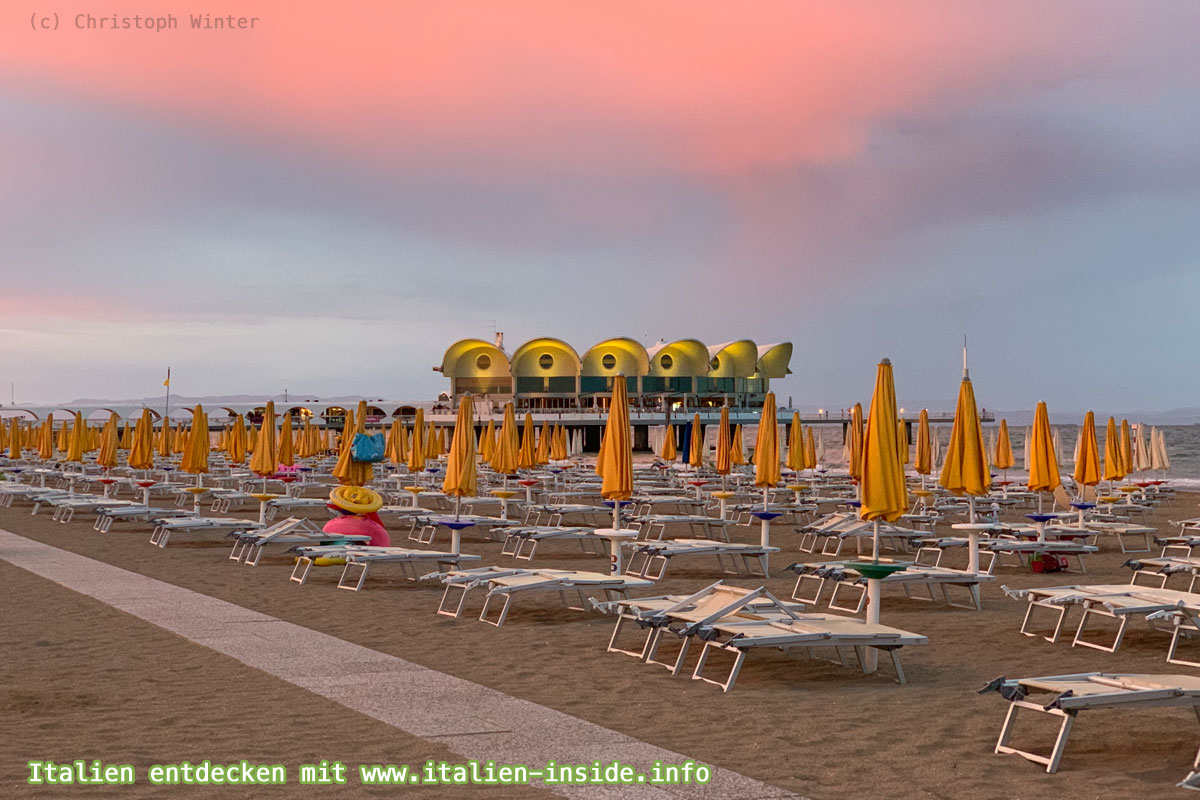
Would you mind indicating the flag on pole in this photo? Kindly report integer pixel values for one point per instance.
(167, 382)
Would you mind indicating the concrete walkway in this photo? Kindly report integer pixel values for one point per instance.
(472, 720)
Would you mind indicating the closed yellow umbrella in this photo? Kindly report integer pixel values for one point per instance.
(460, 462)
(14, 439)
(923, 457)
(796, 459)
(237, 440)
(348, 471)
(767, 471)
(855, 443)
(1087, 463)
(107, 457)
(542, 452)
(442, 449)
(504, 453)
(285, 452)
(526, 457)
(696, 444)
(487, 442)
(1113, 468)
(724, 441)
(431, 442)
(4, 436)
(669, 452)
(736, 454)
(1004, 454)
(180, 439)
(1126, 449)
(46, 439)
(416, 450)
(1043, 465)
(615, 463)
(266, 447)
(195, 455)
(965, 470)
(558, 450)
(164, 439)
(396, 444)
(126, 436)
(810, 448)
(63, 438)
(884, 496)
(141, 449)
(78, 441)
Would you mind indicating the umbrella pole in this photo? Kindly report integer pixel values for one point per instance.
(875, 544)
(457, 503)
(972, 539)
(766, 494)
(874, 592)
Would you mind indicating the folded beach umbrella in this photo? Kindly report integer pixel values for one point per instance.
(1004, 456)
(810, 448)
(1141, 453)
(541, 454)
(163, 447)
(45, 446)
(854, 443)
(348, 471)
(558, 444)
(4, 436)
(669, 452)
(441, 441)
(14, 439)
(1158, 450)
(923, 456)
(767, 471)
(795, 454)
(416, 449)
(965, 470)
(107, 457)
(884, 496)
(487, 442)
(431, 441)
(1087, 454)
(696, 443)
(141, 449)
(394, 447)
(285, 452)
(1056, 440)
(504, 453)
(1113, 468)
(526, 456)
(1126, 449)
(724, 443)
(264, 462)
(78, 441)
(195, 454)
(615, 462)
(902, 440)
(1043, 465)
(737, 448)
(460, 462)
(237, 440)
(179, 438)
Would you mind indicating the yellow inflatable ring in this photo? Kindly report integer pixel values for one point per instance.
(326, 561)
(356, 499)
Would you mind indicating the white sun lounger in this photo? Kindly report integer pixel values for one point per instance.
(361, 557)
(1165, 566)
(107, 516)
(1119, 602)
(735, 620)
(66, 508)
(1067, 695)
(165, 527)
(248, 545)
(849, 581)
(653, 527)
(650, 559)
(278, 504)
(522, 542)
(503, 583)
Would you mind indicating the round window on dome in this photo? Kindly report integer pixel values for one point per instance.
(483, 362)
(715, 364)
(608, 361)
(546, 361)
(666, 361)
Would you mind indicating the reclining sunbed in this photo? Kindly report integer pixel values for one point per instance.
(1065, 696)
(924, 572)
(361, 557)
(1119, 602)
(248, 545)
(522, 542)
(650, 559)
(504, 583)
(734, 620)
(165, 527)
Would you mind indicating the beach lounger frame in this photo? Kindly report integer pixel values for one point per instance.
(1125, 692)
(651, 559)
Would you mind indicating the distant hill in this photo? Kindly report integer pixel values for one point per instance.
(186, 400)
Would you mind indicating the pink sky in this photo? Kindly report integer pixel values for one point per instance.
(829, 147)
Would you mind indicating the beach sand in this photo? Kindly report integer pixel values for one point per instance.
(83, 678)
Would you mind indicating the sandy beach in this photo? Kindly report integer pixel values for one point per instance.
(83, 678)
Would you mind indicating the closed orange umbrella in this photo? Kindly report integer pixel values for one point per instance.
(883, 492)
(237, 440)
(558, 449)
(1126, 449)
(266, 448)
(504, 454)
(108, 443)
(1004, 454)
(810, 448)
(141, 451)
(1087, 462)
(14, 440)
(460, 462)
(78, 441)
(1114, 470)
(195, 455)
(796, 459)
(669, 452)
(767, 472)
(923, 458)
(416, 447)
(736, 451)
(1043, 465)
(526, 457)
(724, 437)
(542, 452)
(487, 442)
(696, 444)
(285, 452)
(855, 443)
(615, 463)
(348, 471)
